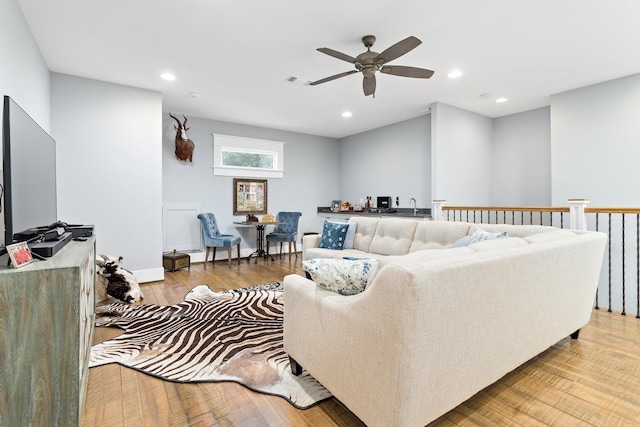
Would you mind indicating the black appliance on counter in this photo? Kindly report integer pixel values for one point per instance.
(384, 204)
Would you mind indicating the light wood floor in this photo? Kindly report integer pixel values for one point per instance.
(594, 380)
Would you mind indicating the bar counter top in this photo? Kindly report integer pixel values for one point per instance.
(422, 213)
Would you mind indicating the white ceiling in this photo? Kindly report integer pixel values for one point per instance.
(239, 54)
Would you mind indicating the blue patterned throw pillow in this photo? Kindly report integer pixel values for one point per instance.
(333, 235)
(345, 277)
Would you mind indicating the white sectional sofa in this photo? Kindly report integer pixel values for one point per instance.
(436, 324)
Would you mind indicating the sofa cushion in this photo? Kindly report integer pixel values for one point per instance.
(393, 236)
(365, 230)
(346, 277)
(332, 253)
(333, 235)
(549, 236)
(418, 257)
(437, 234)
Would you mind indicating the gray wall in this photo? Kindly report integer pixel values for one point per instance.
(521, 172)
(24, 76)
(461, 155)
(595, 143)
(110, 167)
(23, 73)
(393, 160)
(504, 161)
(311, 176)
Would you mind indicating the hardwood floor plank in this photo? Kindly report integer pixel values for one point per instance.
(132, 405)
(594, 380)
(154, 402)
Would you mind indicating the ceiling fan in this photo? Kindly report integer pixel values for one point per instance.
(369, 62)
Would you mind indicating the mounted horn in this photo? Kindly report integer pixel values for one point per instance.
(184, 146)
(176, 119)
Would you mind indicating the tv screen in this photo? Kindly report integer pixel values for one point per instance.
(29, 172)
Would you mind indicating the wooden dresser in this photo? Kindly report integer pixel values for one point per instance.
(47, 312)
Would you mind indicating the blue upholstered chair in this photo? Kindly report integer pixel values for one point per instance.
(287, 231)
(213, 238)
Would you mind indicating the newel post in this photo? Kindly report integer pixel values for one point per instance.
(577, 217)
(436, 211)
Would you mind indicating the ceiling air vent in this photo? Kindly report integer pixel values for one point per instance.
(297, 81)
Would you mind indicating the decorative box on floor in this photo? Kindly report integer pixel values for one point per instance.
(173, 261)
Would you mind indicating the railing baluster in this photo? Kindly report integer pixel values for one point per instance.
(624, 309)
(597, 306)
(609, 264)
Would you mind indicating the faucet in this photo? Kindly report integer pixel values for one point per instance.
(415, 206)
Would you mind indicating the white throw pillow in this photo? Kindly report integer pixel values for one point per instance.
(478, 235)
(346, 277)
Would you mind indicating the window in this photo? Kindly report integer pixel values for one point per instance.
(238, 156)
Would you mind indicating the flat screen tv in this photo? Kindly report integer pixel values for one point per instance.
(28, 173)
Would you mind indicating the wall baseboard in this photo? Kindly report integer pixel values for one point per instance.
(150, 275)
(156, 274)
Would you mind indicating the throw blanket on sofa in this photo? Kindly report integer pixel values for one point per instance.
(227, 336)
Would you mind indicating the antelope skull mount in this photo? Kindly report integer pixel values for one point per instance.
(184, 146)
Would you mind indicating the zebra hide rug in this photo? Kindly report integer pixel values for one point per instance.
(227, 336)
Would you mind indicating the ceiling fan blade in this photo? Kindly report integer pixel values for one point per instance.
(398, 49)
(337, 54)
(369, 85)
(399, 70)
(328, 79)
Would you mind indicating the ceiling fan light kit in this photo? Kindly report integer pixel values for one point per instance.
(369, 62)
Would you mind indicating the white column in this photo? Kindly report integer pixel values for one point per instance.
(436, 210)
(577, 217)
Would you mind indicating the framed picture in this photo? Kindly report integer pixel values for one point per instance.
(249, 196)
(20, 254)
(335, 205)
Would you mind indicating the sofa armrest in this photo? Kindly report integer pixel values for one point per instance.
(309, 241)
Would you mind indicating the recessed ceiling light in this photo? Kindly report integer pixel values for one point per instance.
(168, 77)
(502, 99)
(455, 74)
(347, 114)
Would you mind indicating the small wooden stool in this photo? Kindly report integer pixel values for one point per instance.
(173, 261)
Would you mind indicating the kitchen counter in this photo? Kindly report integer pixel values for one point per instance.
(422, 214)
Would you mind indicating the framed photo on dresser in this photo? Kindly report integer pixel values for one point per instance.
(20, 254)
